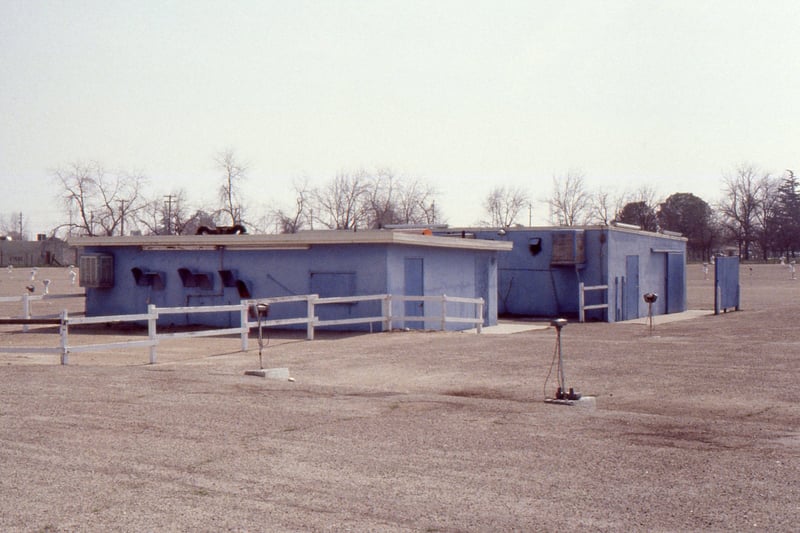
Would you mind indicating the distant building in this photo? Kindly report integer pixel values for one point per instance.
(122, 275)
(39, 253)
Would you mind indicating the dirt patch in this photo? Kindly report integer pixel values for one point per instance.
(695, 428)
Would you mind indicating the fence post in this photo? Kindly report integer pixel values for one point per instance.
(444, 312)
(26, 310)
(479, 327)
(151, 330)
(310, 324)
(581, 302)
(387, 312)
(243, 318)
(64, 332)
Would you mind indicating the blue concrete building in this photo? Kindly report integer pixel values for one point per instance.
(122, 275)
(542, 275)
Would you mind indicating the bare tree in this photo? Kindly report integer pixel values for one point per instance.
(167, 216)
(647, 195)
(233, 174)
(416, 203)
(604, 206)
(396, 199)
(431, 213)
(768, 216)
(97, 202)
(503, 205)
(380, 202)
(570, 204)
(296, 220)
(339, 204)
(739, 208)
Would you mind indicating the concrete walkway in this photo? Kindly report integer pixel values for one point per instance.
(505, 327)
(673, 317)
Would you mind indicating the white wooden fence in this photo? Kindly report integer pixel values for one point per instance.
(582, 307)
(27, 299)
(387, 319)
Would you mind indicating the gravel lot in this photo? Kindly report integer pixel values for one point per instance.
(696, 427)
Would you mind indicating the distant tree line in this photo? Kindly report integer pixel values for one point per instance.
(360, 200)
(759, 213)
(99, 202)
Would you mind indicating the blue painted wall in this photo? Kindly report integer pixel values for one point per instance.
(330, 270)
(452, 272)
(654, 276)
(529, 284)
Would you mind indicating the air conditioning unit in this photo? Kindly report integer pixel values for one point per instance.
(569, 247)
(96, 271)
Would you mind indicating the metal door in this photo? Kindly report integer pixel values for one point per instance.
(726, 284)
(630, 308)
(676, 283)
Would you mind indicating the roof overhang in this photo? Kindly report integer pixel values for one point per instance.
(295, 241)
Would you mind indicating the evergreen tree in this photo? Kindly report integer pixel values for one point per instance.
(788, 223)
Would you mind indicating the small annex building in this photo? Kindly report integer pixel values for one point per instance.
(542, 276)
(124, 274)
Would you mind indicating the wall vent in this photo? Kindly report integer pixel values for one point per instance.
(96, 271)
(145, 278)
(200, 280)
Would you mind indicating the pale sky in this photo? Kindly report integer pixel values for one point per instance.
(467, 95)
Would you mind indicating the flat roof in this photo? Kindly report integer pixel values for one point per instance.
(610, 227)
(288, 241)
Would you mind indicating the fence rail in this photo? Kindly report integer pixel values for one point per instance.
(582, 307)
(311, 320)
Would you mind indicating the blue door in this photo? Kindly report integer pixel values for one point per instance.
(676, 283)
(726, 284)
(630, 288)
(414, 287)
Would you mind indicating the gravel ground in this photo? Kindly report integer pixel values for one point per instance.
(696, 427)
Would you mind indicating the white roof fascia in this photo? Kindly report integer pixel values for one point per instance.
(302, 240)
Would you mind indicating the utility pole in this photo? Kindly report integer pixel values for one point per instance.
(122, 218)
(20, 227)
(169, 213)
